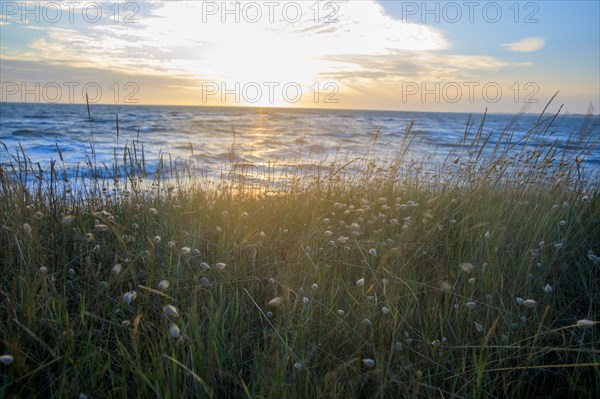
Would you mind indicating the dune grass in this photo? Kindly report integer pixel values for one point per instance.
(476, 279)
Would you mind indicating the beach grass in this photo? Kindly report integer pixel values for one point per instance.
(477, 278)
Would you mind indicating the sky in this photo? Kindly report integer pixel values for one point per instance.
(441, 56)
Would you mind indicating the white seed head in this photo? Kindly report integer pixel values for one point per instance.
(163, 285)
(342, 239)
(341, 313)
(218, 229)
(220, 266)
(487, 235)
(529, 303)
(479, 327)
(385, 310)
(305, 299)
(368, 362)
(585, 323)
(116, 269)
(157, 239)
(170, 311)
(367, 322)
(67, 220)
(520, 300)
(174, 331)
(129, 297)
(360, 282)
(185, 250)
(467, 267)
(6, 360)
(277, 301)
(445, 286)
(373, 252)
(43, 270)
(472, 280)
(204, 266)
(548, 289)
(314, 286)
(269, 315)
(558, 245)
(27, 228)
(298, 366)
(471, 305)
(153, 211)
(101, 227)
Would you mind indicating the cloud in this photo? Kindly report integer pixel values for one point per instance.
(182, 38)
(526, 45)
(365, 47)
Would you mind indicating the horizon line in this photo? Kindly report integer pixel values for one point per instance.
(486, 111)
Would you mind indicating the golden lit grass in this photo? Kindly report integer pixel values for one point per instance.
(376, 284)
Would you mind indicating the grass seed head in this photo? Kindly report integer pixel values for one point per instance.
(585, 323)
(204, 266)
(174, 331)
(529, 303)
(163, 285)
(67, 220)
(277, 301)
(467, 267)
(370, 363)
(170, 311)
(6, 360)
(129, 297)
(520, 300)
(116, 269)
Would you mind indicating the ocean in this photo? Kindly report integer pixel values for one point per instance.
(271, 136)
